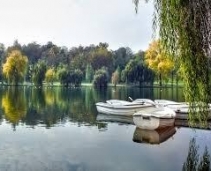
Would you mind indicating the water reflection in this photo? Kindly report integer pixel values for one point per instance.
(153, 136)
(121, 119)
(52, 106)
(47, 107)
(77, 138)
(14, 105)
(193, 163)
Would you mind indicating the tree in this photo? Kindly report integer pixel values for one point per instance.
(158, 61)
(124, 76)
(16, 46)
(115, 78)
(79, 62)
(39, 73)
(2, 58)
(52, 54)
(134, 72)
(62, 74)
(89, 73)
(121, 57)
(15, 67)
(100, 78)
(76, 77)
(101, 57)
(137, 72)
(70, 77)
(50, 75)
(184, 31)
(32, 51)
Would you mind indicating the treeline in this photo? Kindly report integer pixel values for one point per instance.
(49, 63)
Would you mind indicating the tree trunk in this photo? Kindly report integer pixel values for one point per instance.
(172, 78)
(160, 80)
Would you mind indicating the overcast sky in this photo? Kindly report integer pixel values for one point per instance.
(76, 22)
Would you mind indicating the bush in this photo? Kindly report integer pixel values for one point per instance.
(100, 78)
(70, 77)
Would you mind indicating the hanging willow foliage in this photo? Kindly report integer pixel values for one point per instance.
(185, 32)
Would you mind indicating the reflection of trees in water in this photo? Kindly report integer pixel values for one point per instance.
(193, 163)
(1, 117)
(14, 105)
(50, 106)
(58, 105)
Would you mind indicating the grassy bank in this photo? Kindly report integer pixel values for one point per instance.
(84, 84)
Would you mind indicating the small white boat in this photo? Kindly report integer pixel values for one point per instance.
(115, 118)
(176, 106)
(164, 102)
(154, 118)
(122, 107)
(153, 136)
(181, 108)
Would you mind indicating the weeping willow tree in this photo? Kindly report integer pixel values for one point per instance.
(185, 32)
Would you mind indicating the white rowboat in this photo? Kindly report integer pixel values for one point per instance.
(122, 107)
(154, 118)
(181, 108)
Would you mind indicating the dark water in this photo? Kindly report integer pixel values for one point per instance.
(57, 129)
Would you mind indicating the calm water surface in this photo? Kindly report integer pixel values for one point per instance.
(57, 129)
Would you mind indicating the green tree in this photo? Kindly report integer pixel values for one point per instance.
(100, 78)
(62, 74)
(16, 46)
(89, 73)
(14, 69)
(137, 72)
(68, 77)
(121, 57)
(133, 71)
(2, 58)
(79, 62)
(39, 73)
(124, 76)
(101, 57)
(76, 77)
(33, 51)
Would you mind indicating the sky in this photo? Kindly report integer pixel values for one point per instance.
(76, 22)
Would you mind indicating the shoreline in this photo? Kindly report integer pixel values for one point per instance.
(57, 84)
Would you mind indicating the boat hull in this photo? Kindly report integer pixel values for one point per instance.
(115, 118)
(156, 118)
(181, 108)
(152, 123)
(120, 110)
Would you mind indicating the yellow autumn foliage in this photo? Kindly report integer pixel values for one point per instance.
(14, 106)
(158, 60)
(49, 75)
(50, 97)
(14, 69)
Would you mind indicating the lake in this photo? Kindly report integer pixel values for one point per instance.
(59, 129)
